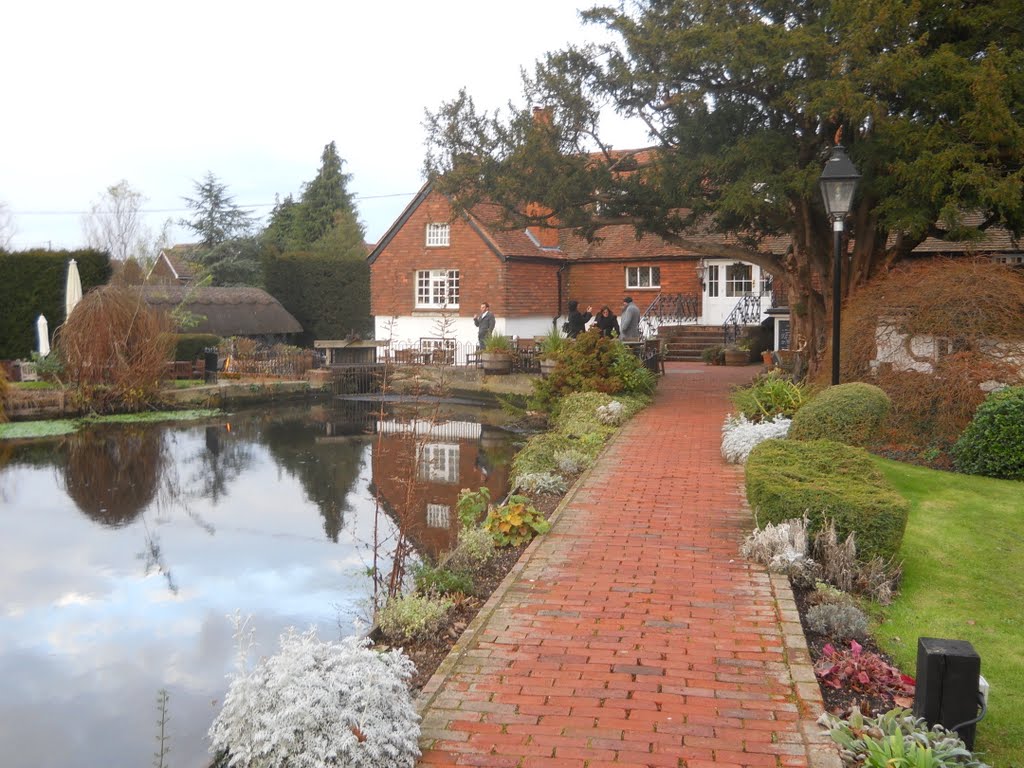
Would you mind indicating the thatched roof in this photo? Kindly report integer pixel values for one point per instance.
(225, 311)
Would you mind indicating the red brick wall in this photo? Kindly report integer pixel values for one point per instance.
(393, 274)
(605, 283)
(531, 289)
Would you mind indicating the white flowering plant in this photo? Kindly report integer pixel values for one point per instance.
(740, 435)
(315, 704)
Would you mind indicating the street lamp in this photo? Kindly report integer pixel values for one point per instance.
(838, 181)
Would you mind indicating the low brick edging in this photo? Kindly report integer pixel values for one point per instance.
(822, 752)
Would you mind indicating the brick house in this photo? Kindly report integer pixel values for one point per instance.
(174, 266)
(430, 272)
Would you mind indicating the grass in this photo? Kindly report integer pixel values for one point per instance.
(963, 556)
(55, 427)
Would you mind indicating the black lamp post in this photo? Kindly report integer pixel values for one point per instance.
(838, 181)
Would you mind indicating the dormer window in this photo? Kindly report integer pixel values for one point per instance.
(438, 234)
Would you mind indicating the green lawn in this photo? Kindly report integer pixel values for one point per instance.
(964, 579)
(56, 427)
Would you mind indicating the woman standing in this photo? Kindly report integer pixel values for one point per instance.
(576, 320)
(607, 322)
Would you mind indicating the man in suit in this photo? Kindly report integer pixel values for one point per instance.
(484, 323)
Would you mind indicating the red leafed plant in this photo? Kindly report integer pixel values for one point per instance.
(861, 671)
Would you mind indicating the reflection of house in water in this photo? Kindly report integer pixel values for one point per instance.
(420, 467)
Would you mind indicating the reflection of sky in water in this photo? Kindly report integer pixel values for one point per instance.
(88, 637)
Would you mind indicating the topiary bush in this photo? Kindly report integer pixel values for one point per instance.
(847, 413)
(827, 480)
(993, 443)
(317, 703)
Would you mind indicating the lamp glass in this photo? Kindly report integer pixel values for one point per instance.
(838, 182)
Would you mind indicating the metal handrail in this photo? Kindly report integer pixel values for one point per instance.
(748, 311)
(669, 309)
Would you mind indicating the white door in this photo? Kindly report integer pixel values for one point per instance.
(725, 283)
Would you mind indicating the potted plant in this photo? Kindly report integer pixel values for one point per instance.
(497, 354)
(712, 355)
(738, 353)
(551, 346)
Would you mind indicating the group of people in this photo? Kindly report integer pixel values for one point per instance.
(626, 326)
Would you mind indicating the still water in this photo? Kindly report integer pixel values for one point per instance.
(125, 550)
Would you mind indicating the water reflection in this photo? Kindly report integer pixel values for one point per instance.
(125, 547)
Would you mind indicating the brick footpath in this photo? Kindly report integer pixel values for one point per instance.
(633, 634)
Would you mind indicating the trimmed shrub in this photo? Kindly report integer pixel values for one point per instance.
(739, 436)
(827, 480)
(847, 413)
(993, 443)
(838, 621)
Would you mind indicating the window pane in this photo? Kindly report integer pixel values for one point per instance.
(655, 276)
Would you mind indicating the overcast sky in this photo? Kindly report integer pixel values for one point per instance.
(158, 94)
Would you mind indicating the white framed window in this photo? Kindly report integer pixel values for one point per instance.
(437, 288)
(438, 515)
(739, 279)
(643, 277)
(438, 234)
(439, 462)
(712, 281)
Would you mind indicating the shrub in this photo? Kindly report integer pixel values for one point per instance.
(472, 506)
(413, 617)
(442, 581)
(314, 704)
(593, 363)
(612, 414)
(847, 413)
(190, 346)
(825, 479)
(475, 549)
(544, 483)
(838, 620)
(824, 593)
(993, 443)
(897, 738)
(713, 355)
(572, 462)
(739, 436)
(771, 395)
(515, 523)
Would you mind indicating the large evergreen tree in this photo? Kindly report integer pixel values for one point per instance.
(742, 102)
(227, 250)
(324, 216)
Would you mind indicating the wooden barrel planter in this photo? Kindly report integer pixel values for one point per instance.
(547, 366)
(496, 363)
(736, 356)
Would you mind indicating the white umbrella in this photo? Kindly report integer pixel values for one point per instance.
(43, 331)
(73, 291)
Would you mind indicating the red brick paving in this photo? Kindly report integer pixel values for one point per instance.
(633, 634)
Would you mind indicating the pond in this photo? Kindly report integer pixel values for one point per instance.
(127, 549)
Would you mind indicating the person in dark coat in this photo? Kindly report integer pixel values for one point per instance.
(577, 320)
(484, 323)
(607, 322)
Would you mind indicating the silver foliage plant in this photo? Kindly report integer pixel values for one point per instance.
(739, 435)
(781, 547)
(612, 414)
(543, 482)
(315, 704)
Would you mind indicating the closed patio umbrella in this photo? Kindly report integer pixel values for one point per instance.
(43, 331)
(73, 290)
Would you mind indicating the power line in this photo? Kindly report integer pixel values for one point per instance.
(186, 210)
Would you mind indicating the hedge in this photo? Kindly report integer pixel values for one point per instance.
(826, 479)
(848, 413)
(327, 294)
(190, 346)
(32, 283)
